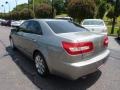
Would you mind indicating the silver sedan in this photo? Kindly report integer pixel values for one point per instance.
(60, 47)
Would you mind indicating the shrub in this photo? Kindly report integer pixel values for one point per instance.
(43, 11)
(1, 15)
(7, 16)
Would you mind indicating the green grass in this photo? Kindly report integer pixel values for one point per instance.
(109, 25)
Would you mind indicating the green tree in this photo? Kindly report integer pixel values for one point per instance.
(101, 10)
(97, 2)
(20, 7)
(59, 5)
(1, 15)
(7, 16)
(81, 9)
(110, 13)
(116, 12)
(26, 14)
(40, 1)
(102, 7)
(15, 15)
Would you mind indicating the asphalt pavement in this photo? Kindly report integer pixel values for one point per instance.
(17, 72)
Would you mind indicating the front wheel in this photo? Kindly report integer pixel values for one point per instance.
(41, 65)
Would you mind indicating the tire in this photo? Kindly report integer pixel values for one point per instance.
(12, 44)
(41, 65)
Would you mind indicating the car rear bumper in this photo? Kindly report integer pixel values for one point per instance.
(75, 70)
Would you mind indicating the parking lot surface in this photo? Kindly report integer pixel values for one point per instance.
(17, 72)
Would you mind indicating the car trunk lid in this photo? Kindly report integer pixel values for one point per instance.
(96, 39)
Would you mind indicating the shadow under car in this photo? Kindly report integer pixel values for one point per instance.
(51, 82)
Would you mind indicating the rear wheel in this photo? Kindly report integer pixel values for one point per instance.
(41, 65)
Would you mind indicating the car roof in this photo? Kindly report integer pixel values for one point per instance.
(92, 20)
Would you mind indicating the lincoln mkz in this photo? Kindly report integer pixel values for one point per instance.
(60, 47)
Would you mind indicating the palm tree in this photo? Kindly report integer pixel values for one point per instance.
(3, 7)
(33, 2)
(16, 4)
(8, 5)
(6, 2)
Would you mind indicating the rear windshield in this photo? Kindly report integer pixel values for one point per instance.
(93, 22)
(65, 26)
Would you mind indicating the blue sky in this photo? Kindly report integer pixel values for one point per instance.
(12, 4)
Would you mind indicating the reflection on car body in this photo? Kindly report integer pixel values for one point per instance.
(95, 25)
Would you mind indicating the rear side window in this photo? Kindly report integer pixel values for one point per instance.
(34, 27)
(65, 27)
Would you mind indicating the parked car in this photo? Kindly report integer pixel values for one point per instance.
(1, 20)
(60, 47)
(65, 18)
(17, 23)
(95, 25)
(6, 23)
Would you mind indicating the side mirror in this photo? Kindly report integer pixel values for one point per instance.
(15, 29)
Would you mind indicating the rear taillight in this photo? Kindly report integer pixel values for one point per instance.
(77, 48)
(105, 43)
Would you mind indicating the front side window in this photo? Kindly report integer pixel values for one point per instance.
(65, 26)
